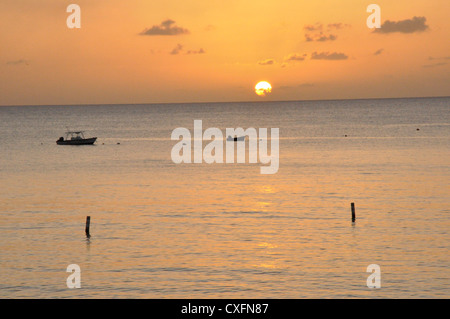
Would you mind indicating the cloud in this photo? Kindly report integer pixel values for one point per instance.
(320, 37)
(166, 27)
(295, 57)
(210, 27)
(318, 32)
(201, 51)
(18, 62)
(308, 38)
(328, 56)
(439, 58)
(338, 26)
(313, 28)
(330, 37)
(416, 24)
(378, 52)
(177, 49)
(266, 62)
(180, 49)
(330, 26)
(292, 58)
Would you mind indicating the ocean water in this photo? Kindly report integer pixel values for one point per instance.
(165, 230)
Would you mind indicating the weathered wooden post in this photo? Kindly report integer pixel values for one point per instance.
(353, 212)
(88, 225)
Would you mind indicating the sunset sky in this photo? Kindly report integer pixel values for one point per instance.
(139, 51)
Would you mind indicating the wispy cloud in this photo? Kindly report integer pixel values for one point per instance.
(378, 52)
(321, 33)
(328, 56)
(338, 26)
(201, 51)
(166, 27)
(434, 65)
(416, 24)
(18, 62)
(295, 57)
(439, 58)
(177, 49)
(320, 37)
(180, 49)
(210, 27)
(314, 28)
(266, 62)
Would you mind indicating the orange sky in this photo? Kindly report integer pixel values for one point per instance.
(219, 50)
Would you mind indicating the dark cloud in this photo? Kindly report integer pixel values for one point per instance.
(378, 52)
(416, 24)
(330, 37)
(320, 37)
(328, 56)
(266, 62)
(295, 57)
(166, 27)
(18, 62)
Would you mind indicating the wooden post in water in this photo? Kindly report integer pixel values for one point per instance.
(88, 225)
(353, 212)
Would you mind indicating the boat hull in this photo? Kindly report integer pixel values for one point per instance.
(85, 141)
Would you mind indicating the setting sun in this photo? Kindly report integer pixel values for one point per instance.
(263, 88)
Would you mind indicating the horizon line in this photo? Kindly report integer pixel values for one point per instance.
(220, 102)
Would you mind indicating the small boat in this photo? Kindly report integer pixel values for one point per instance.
(76, 138)
(235, 139)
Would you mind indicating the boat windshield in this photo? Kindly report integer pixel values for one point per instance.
(75, 135)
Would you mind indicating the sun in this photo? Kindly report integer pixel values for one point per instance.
(263, 88)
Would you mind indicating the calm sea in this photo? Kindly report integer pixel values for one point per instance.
(165, 230)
